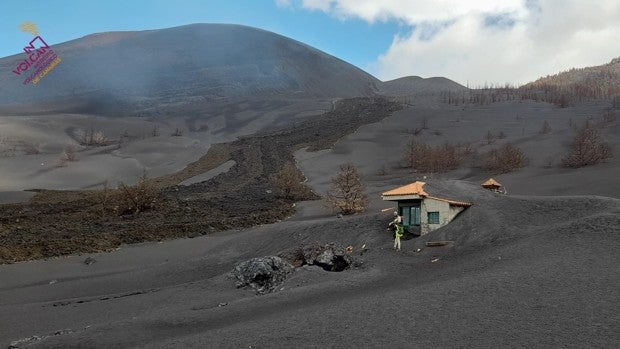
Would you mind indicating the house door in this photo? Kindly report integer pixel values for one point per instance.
(411, 218)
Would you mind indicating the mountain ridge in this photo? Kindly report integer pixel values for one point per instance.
(415, 84)
(204, 61)
(599, 81)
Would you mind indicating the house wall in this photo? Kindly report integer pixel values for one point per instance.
(446, 211)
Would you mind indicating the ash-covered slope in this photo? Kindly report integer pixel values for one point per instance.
(522, 272)
(103, 72)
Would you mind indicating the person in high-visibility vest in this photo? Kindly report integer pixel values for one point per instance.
(397, 223)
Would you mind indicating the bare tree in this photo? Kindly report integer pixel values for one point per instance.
(489, 137)
(348, 193)
(587, 148)
(67, 155)
(290, 181)
(416, 154)
(505, 159)
(99, 138)
(94, 138)
(426, 158)
(136, 198)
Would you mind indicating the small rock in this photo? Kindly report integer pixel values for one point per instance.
(90, 260)
(222, 304)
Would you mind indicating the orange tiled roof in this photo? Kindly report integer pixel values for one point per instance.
(416, 188)
(491, 183)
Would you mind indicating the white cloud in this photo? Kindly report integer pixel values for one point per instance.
(412, 11)
(480, 41)
(283, 3)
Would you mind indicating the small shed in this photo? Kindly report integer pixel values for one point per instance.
(422, 212)
(493, 185)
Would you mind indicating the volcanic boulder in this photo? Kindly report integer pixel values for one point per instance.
(330, 257)
(263, 274)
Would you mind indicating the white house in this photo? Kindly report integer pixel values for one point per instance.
(421, 212)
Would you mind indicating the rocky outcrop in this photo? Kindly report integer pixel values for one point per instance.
(330, 257)
(263, 274)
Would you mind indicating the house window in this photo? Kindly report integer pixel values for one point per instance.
(411, 215)
(433, 218)
(415, 215)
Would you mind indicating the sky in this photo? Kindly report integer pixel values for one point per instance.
(474, 42)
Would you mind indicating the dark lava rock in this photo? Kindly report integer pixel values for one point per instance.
(262, 274)
(330, 257)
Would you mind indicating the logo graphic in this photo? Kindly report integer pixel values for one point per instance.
(29, 27)
(40, 56)
(30, 47)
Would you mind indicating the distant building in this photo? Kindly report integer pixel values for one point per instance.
(493, 185)
(423, 213)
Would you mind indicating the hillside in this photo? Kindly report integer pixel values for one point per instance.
(159, 99)
(194, 64)
(591, 82)
(414, 85)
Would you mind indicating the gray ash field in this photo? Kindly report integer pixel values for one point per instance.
(538, 267)
(549, 280)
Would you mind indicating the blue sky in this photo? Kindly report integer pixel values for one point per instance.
(353, 40)
(469, 41)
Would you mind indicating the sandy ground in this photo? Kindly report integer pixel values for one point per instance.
(546, 281)
(31, 146)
